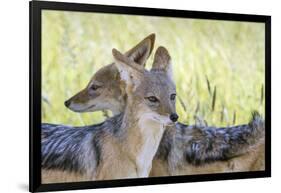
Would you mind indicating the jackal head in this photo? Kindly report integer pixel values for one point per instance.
(103, 92)
(151, 94)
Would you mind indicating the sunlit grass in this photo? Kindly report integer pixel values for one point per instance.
(218, 65)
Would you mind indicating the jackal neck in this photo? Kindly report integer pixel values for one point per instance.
(143, 136)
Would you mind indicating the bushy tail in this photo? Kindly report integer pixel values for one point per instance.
(208, 144)
(249, 135)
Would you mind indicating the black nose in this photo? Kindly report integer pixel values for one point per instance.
(67, 103)
(174, 117)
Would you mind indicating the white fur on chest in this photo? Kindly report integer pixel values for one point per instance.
(152, 132)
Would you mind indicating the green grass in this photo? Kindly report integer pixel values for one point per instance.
(218, 65)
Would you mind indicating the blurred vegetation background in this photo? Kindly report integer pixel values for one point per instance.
(218, 65)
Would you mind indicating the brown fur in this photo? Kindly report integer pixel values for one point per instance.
(252, 160)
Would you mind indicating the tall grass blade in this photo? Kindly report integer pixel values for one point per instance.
(182, 104)
(262, 95)
(214, 99)
(208, 85)
(197, 107)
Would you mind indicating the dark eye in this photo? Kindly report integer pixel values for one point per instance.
(173, 97)
(94, 87)
(152, 99)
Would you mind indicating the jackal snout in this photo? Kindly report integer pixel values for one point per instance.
(79, 102)
(174, 117)
(67, 103)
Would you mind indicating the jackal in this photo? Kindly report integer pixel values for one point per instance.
(184, 149)
(124, 145)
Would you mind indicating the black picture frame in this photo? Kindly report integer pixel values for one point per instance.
(36, 7)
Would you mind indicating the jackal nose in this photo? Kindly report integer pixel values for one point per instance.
(67, 103)
(174, 117)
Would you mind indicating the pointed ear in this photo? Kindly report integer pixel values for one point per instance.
(141, 52)
(162, 61)
(130, 72)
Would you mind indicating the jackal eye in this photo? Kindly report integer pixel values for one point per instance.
(173, 97)
(94, 87)
(152, 99)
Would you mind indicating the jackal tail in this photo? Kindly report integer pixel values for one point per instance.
(211, 144)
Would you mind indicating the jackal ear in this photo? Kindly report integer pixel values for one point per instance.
(141, 52)
(162, 61)
(129, 71)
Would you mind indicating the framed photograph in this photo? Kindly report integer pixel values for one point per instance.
(127, 96)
